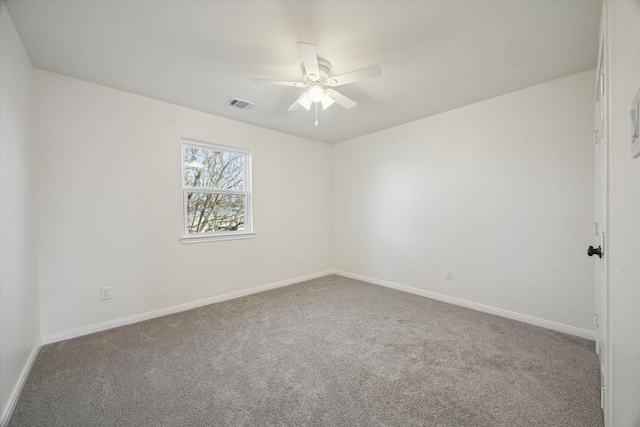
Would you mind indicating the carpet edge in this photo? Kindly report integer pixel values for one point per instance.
(98, 327)
(525, 318)
(17, 389)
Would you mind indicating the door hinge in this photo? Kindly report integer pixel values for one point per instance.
(596, 319)
(601, 397)
(601, 84)
(596, 137)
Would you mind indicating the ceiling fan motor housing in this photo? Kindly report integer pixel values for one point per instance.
(324, 67)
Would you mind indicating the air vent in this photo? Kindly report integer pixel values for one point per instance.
(240, 104)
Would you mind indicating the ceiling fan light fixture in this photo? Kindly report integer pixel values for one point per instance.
(305, 101)
(326, 102)
(316, 93)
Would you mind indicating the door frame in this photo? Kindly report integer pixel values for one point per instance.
(601, 227)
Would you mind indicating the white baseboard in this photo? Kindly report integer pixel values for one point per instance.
(548, 324)
(86, 330)
(560, 327)
(15, 394)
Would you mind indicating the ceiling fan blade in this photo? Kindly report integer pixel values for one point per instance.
(340, 99)
(309, 59)
(355, 76)
(302, 101)
(279, 83)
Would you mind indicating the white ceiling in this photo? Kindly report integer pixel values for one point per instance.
(434, 55)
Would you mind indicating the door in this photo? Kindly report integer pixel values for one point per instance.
(599, 250)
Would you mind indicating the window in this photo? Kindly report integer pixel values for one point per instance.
(216, 187)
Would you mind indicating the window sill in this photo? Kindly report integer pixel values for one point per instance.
(217, 237)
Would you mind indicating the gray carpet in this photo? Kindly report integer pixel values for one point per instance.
(327, 352)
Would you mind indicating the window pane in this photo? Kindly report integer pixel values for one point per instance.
(206, 168)
(208, 213)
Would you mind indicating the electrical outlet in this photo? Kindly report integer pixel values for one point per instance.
(106, 293)
(449, 275)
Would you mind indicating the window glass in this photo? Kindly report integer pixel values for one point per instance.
(216, 191)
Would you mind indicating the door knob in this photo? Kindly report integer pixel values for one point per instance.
(593, 251)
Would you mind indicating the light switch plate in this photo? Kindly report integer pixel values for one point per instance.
(635, 126)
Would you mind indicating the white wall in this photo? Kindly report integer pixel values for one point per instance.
(501, 191)
(624, 218)
(110, 202)
(19, 312)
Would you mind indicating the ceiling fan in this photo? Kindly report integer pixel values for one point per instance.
(315, 73)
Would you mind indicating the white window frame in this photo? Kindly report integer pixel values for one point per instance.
(248, 232)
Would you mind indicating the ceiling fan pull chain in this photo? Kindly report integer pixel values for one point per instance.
(316, 114)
